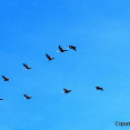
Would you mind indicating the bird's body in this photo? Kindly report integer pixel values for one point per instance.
(72, 47)
(5, 79)
(1, 99)
(26, 66)
(49, 58)
(99, 88)
(27, 97)
(61, 50)
(66, 91)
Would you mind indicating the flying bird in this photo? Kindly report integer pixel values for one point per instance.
(99, 88)
(1, 99)
(66, 91)
(5, 79)
(72, 47)
(49, 58)
(27, 97)
(26, 66)
(61, 50)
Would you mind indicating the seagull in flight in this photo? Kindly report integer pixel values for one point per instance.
(49, 58)
(26, 66)
(4, 78)
(72, 47)
(66, 91)
(99, 88)
(61, 50)
(27, 97)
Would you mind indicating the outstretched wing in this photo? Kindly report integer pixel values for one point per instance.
(4, 77)
(26, 66)
(64, 89)
(65, 50)
(60, 48)
(48, 56)
(26, 96)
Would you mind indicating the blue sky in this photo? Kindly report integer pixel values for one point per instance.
(99, 29)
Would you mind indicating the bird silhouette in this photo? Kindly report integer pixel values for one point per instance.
(66, 91)
(5, 79)
(26, 66)
(27, 97)
(1, 99)
(61, 50)
(99, 88)
(72, 47)
(49, 58)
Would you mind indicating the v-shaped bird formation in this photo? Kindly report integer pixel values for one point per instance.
(49, 58)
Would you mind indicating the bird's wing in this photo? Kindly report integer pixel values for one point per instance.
(73, 46)
(25, 65)
(26, 96)
(65, 89)
(60, 48)
(65, 50)
(48, 56)
(4, 77)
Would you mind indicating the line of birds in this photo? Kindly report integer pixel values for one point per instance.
(48, 58)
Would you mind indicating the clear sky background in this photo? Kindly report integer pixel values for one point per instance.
(100, 29)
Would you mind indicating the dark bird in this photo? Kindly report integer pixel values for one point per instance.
(99, 88)
(66, 91)
(49, 58)
(27, 97)
(1, 99)
(26, 66)
(5, 79)
(72, 47)
(61, 50)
